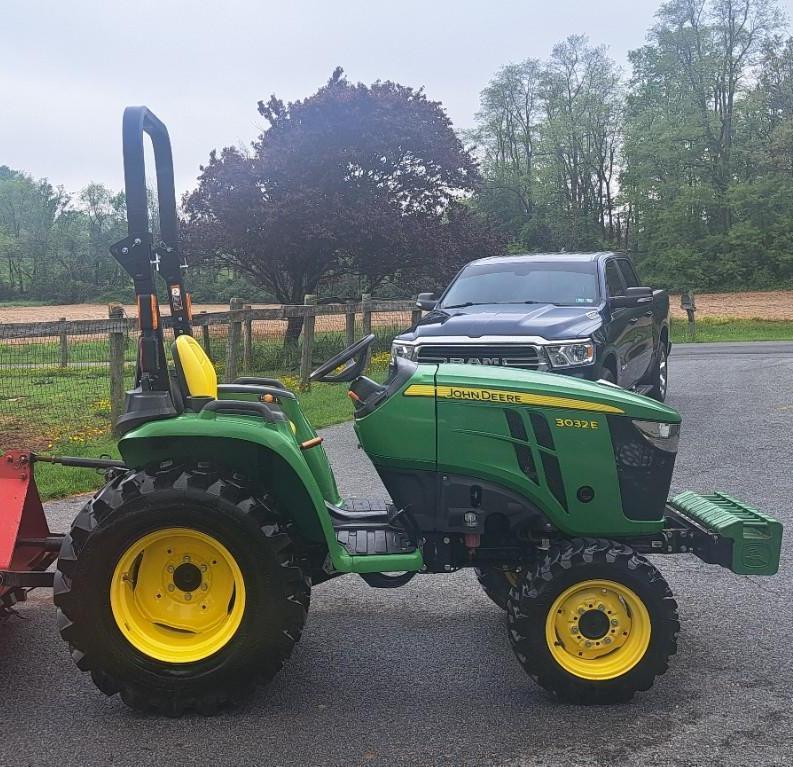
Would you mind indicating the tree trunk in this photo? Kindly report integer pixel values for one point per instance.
(294, 326)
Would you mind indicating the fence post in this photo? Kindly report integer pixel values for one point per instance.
(309, 320)
(349, 323)
(64, 344)
(247, 340)
(205, 338)
(366, 313)
(118, 342)
(689, 305)
(415, 315)
(235, 330)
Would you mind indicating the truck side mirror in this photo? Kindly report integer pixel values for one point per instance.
(426, 301)
(633, 297)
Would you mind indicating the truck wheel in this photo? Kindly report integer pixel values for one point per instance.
(607, 374)
(593, 623)
(178, 588)
(496, 583)
(660, 376)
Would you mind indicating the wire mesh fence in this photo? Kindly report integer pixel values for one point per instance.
(55, 377)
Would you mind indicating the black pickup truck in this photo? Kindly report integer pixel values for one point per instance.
(582, 314)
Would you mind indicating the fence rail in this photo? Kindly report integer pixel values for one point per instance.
(54, 374)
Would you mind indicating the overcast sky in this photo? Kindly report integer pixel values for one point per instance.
(67, 69)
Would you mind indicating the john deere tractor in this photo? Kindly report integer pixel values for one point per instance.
(186, 579)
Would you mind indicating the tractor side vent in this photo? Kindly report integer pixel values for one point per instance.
(517, 430)
(542, 432)
(553, 476)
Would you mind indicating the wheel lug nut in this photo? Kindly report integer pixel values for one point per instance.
(186, 558)
(602, 607)
(588, 644)
(580, 610)
(169, 568)
(188, 596)
(203, 568)
(170, 587)
(615, 622)
(573, 629)
(203, 587)
(607, 640)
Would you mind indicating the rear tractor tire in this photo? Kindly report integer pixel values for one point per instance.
(497, 582)
(593, 623)
(178, 587)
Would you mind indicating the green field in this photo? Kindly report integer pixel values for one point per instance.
(709, 330)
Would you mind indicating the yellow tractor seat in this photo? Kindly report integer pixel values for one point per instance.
(195, 373)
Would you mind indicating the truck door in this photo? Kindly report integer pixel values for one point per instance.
(620, 327)
(642, 330)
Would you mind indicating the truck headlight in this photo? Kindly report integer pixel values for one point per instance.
(568, 355)
(402, 350)
(664, 436)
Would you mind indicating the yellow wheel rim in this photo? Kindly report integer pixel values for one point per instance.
(598, 629)
(177, 595)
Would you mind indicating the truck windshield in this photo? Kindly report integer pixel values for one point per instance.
(519, 282)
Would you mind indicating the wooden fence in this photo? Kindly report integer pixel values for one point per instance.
(239, 340)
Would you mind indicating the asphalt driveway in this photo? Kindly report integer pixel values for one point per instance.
(424, 675)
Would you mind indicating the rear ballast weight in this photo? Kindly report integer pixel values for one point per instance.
(186, 579)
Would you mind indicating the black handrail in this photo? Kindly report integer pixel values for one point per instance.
(241, 407)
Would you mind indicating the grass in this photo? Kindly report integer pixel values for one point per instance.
(711, 329)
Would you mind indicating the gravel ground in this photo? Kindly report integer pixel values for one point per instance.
(424, 675)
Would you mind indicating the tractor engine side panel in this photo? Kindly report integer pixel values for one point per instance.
(400, 433)
(560, 457)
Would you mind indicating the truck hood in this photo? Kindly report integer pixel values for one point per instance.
(546, 320)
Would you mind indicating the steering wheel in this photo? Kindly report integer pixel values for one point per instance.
(359, 351)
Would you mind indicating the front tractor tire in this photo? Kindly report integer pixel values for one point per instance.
(497, 582)
(593, 623)
(178, 587)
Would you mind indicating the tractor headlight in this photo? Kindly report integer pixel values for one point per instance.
(664, 436)
(402, 350)
(568, 355)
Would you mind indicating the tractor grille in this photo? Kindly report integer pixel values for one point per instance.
(513, 356)
(644, 471)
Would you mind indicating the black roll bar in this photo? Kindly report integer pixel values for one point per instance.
(136, 122)
(137, 253)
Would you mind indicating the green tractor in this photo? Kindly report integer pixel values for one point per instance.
(186, 579)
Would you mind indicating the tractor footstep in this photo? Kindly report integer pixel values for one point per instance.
(384, 539)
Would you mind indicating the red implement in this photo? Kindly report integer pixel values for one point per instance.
(27, 547)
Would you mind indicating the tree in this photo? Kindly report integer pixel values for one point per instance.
(707, 122)
(353, 179)
(714, 45)
(548, 135)
(507, 135)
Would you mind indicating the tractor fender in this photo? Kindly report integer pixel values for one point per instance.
(266, 454)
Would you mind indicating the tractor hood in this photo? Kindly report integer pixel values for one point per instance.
(546, 320)
(506, 386)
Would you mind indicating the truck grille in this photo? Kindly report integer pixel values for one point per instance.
(512, 356)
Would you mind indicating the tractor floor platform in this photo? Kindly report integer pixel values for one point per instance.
(364, 528)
